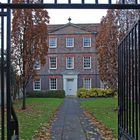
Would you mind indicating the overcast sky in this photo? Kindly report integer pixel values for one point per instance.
(59, 16)
(77, 16)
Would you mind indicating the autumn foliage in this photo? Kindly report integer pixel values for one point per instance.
(107, 49)
(29, 41)
(114, 26)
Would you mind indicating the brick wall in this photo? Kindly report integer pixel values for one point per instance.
(78, 32)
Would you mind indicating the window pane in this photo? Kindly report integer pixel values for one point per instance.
(70, 42)
(87, 42)
(53, 64)
(70, 62)
(87, 62)
(37, 65)
(87, 83)
(52, 42)
(37, 84)
(53, 83)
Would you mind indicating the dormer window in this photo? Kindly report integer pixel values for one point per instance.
(87, 42)
(69, 42)
(52, 42)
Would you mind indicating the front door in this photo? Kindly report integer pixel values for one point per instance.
(70, 87)
(70, 84)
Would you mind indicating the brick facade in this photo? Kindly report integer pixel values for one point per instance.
(78, 53)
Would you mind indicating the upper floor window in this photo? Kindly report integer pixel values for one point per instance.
(53, 84)
(87, 83)
(87, 62)
(37, 65)
(70, 42)
(52, 42)
(87, 42)
(37, 84)
(53, 63)
(70, 62)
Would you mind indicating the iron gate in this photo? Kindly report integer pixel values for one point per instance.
(8, 117)
(129, 67)
(129, 85)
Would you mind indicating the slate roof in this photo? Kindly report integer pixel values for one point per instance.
(88, 27)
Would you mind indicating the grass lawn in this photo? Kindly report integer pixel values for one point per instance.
(103, 110)
(39, 111)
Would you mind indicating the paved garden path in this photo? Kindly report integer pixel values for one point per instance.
(71, 123)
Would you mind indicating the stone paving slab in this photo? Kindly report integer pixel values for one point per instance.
(72, 124)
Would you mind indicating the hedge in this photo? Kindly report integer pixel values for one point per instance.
(95, 92)
(47, 94)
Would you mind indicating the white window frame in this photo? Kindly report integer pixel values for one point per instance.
(51, 85)
(86, 46)
(85, 84)
(50, 67)
(84, 63)
(55, 42)
(67, 63)
(37, 65)
(67, 39)
(39, 89)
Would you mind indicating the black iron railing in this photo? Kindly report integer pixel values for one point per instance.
(9, 122)
(129, 85)
(70, 4)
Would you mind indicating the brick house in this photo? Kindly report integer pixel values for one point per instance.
(71, 62)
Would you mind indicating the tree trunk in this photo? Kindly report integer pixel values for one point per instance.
(24, 99)
(24, 87)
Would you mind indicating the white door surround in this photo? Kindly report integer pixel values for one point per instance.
(70, 84)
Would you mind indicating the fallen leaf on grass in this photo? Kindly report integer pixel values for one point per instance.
(44, 133)
(101, 128)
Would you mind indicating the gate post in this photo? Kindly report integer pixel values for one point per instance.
(2, 76)
(8, 75)
(8, 117)
(12, 122)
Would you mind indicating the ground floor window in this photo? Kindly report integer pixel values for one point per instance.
(53, 84)
(37, 84)
(87, 83)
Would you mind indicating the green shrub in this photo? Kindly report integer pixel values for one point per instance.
(110, 93)
(47, 94)
(92, 92)
(81, 92)
(95, 92)
(99, 92)
(56, 93)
